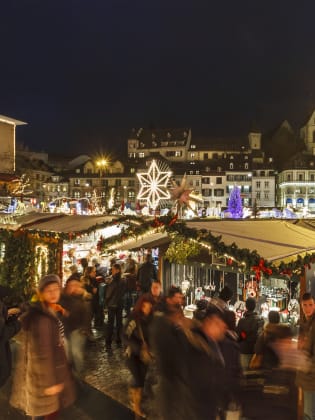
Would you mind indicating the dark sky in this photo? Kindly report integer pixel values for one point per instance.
(82, 73)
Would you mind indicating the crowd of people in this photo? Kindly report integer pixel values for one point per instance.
(184, 368)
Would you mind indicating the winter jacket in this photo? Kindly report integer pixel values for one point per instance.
(78, 314)
(115, 292)
(233, 371)
(248, 329)
(41, 364)
(8, 328)
(190, 370)
(135, 332)
(264, 347)
(306, 380)
(146, 274)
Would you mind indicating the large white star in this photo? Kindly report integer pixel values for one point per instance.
(153, 185)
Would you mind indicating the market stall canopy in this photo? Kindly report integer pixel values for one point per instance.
(57, 222)
(153, 240)
(272, 239)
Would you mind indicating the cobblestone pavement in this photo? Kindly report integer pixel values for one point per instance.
(90, 405)
(107, 372)
(105, 396)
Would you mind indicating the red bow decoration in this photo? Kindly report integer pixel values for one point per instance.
(173, 220)
(157, 222)
(286, 272)
(261, 268)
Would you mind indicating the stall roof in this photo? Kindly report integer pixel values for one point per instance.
(153, 240)
(50, 222)
(272, 239)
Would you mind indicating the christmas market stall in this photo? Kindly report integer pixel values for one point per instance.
(39, 243)
(268, 260)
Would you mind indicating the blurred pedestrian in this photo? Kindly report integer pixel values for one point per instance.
(189, 362)
(156, 296)
(248, 329)
(92, 286)
(42, 380)
(9, 327)
(74, 270)
(130, 265)
(72, 300)
(130, 274)
(265, 356)
(306, 380)
(146, 274)
(224, 298)
(138, 356)
(233, 372)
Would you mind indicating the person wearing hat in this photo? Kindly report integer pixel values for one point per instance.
(42, 367)
(9, 327)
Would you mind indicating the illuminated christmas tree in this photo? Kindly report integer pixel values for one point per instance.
(235, 207)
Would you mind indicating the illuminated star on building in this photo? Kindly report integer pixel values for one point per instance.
(182, 196)
(153, 185)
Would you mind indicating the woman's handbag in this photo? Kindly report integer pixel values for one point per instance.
(256, 361)
(145, 355)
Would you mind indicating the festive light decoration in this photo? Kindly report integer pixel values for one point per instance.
(22, 247)
(111, 200)
(182, 248)
(182, 196)
(153, 185)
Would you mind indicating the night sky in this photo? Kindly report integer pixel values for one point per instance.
(83, 73)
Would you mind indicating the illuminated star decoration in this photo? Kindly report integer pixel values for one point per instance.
(153, 185)
(183, 196)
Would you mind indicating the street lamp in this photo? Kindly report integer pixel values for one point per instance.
(101, 164)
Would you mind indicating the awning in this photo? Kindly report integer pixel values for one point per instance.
(272, 239)
(153, 240)
(289, 200)
(300, 200)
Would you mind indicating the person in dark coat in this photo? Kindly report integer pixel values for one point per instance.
(9, 327)
(224, 298)
(136, 339)
(42, 365)
(130, 274)
(114, 300)
(306, 380)
(146, 274)
(75, 322)
(265, 354)
(74, 273)
(156, 296)
(248, 330)
(190, 364)
(233, 371)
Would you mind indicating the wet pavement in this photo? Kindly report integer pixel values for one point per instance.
(107, 372)
(105, 394)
